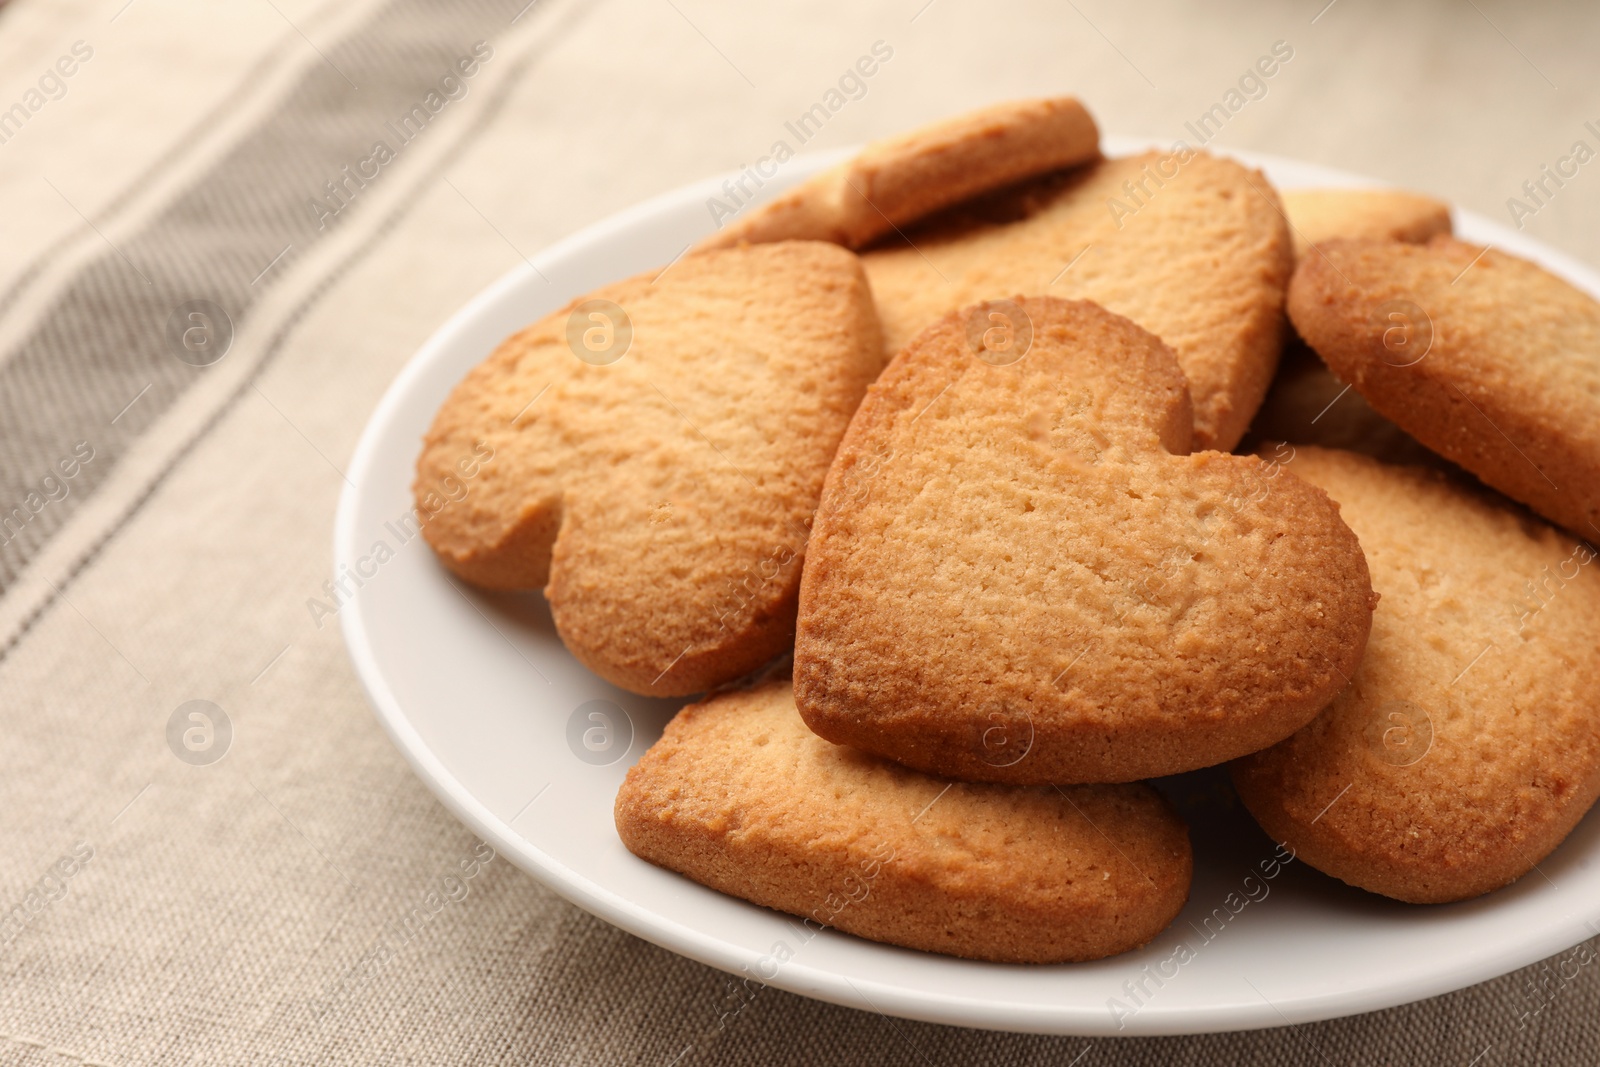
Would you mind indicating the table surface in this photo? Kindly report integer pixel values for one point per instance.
(276, 890)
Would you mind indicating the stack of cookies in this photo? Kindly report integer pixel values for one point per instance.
(1056, 473)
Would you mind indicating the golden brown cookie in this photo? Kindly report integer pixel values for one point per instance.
(1317, 215)
(740, 796)
(1483, 357)
(1017, 574)
(1191, 247)
(657, 451)
(894, 182)
(1468, 743)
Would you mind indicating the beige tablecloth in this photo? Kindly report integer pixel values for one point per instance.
(169, 521)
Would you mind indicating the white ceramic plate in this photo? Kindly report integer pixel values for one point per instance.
(495, 716)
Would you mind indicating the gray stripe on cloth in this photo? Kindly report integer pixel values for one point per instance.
(213, 115)
(104, 341)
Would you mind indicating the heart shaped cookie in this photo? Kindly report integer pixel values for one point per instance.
(655, 452)
(1489, 360)
(1192, 247)
(1016, 573)
(740, 796)
(1468, 744)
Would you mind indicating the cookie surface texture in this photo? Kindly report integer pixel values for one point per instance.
(655, 453)
(1016, 574)
(740, 796)
(896, 181)
(1487, 359)
(1468, 743)
(1317, 215)
(1192, 247)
